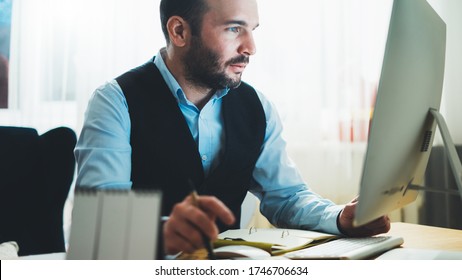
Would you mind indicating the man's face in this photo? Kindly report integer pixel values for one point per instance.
(217, 58)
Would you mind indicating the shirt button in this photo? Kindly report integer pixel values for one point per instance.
(204, 157)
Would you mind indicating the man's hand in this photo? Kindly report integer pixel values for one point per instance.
(345, 221)
(186, 224)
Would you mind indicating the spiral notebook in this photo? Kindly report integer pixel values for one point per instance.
(115, 225)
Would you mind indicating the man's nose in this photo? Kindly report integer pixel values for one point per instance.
(248, 45)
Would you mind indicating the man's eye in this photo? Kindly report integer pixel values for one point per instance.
(235, 29)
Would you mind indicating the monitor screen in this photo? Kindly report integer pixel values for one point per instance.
(402, 128)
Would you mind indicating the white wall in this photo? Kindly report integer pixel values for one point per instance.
(451, 12)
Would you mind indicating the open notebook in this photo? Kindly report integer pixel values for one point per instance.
(305, 244)
(276, 241)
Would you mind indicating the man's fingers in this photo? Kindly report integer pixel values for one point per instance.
(189, 221)
(214, 207)
(176, 243)
(384, 220)
(380, 225)
(192, 221)
(183, 232)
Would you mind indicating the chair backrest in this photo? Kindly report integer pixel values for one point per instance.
(36, 172)
(441, 210)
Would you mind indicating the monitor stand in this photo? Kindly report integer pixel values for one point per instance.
(451, 151)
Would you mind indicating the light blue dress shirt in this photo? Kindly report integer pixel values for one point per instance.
(103, 154)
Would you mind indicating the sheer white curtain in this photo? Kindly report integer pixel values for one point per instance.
(62, 50)
(317, 60)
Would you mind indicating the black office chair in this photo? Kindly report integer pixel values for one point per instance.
(36, 172)
(441, 210)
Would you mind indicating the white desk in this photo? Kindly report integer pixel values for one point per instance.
(51, 256)
(418, 237)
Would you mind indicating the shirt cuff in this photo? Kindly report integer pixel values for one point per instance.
(330, 217)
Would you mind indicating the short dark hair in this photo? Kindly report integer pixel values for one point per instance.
(191, 11)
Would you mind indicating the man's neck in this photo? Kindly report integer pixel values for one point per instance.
(198, 95)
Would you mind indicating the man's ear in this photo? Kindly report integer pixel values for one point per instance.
(178, 31)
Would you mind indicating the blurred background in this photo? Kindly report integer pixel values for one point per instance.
(318, 61)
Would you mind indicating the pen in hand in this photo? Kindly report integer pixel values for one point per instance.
(205, 239)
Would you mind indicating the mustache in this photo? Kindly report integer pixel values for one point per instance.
(238, 59)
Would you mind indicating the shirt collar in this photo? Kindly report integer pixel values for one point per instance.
(174, 86)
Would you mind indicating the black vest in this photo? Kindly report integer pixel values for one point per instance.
(165, 155)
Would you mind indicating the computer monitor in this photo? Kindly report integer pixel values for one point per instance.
(402, 127)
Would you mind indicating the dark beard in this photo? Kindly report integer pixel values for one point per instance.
(202, 67)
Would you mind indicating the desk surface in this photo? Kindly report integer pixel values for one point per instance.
(427, 237)
(415, 237)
